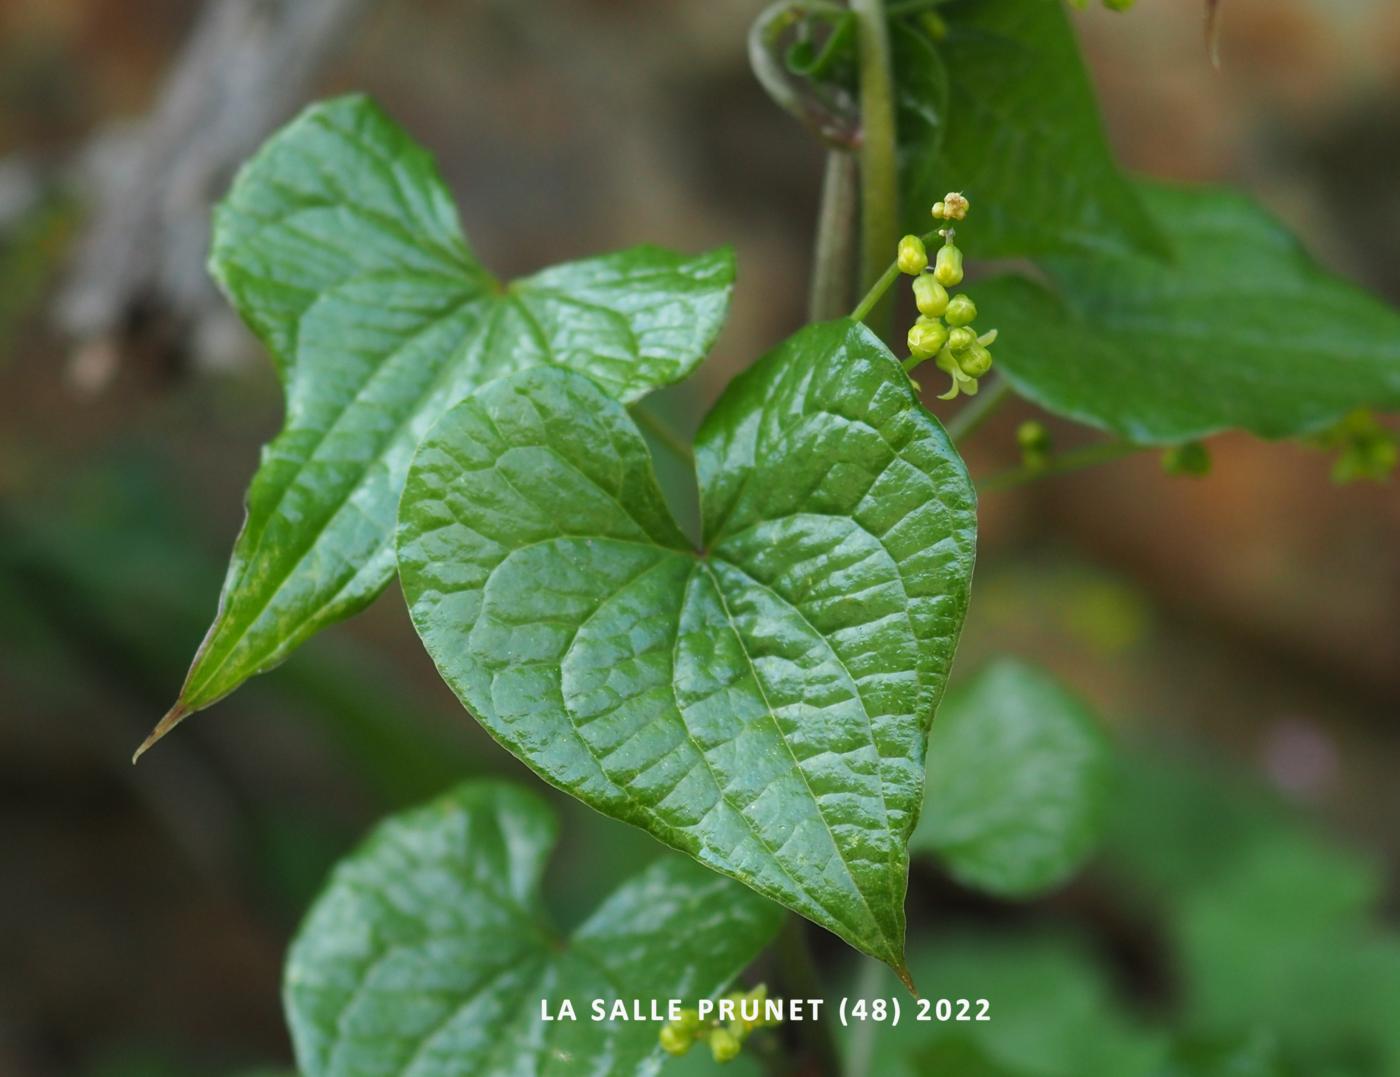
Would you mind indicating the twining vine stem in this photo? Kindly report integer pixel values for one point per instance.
(879, 180)
(834, 249)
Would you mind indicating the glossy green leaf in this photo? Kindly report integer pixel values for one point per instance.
(1022, 137)
(762, 706)
(428, 954)
(340, 247)
(1017, 775)
(1243, 330)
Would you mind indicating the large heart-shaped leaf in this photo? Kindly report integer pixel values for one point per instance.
(1017, 777)
(1019, 133)
(340, 247)
(762, 706)
(429, 953)
(1241, 330)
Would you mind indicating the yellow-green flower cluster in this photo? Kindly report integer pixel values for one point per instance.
(944, 330)
(726, 1036)
(1367, 450)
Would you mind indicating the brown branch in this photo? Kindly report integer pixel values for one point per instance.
(245, 67)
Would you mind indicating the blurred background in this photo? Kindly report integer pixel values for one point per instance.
(1239, 634)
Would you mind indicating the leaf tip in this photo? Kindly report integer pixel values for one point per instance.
(902, 971)
(173, 717)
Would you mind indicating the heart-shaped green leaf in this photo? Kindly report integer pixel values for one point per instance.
(1017, 777)
(762, 706)
(429, 953)
(340, 247)
(1010, 119)
(1241, 330)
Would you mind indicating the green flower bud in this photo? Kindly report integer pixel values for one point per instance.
(929, 296)
(675, 1040)
(912, 257)
(1191, 459)
(961, 310)
(975, 361)
(926, 338)
(724, 1045)
(960, 339)
(1032, 435)
(948, 268)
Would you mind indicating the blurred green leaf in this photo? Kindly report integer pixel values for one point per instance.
(1272, 926)
(960, 1058)
(1017, 775)
(1022, 137)
(1284, 941)
(1179, 822)
(1052, 1013)
(763, 707)
(1250, 1056)
(1243, 330)
(339, 246)
(429, 953)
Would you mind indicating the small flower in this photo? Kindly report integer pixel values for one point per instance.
(674, 1041)
(947, 363)
(929, 296)
(954, 207)
(724, 1045)
(948, 268)
(912, 257)
(961, 311)
(975, 360)
(926, 338)
(960, 339)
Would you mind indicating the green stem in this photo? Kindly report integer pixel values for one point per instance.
(882, 284)
(835, 244)
(798, 973)
(976, 411)
(862, 1041)
(876, 293)
(1100, 452)
(879, 179)
(667, 437)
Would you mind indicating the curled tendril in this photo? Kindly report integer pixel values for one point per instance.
(828, 110)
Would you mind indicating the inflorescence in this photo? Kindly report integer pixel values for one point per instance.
(944, 330)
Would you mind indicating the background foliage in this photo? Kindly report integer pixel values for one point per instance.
(1252, 615)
